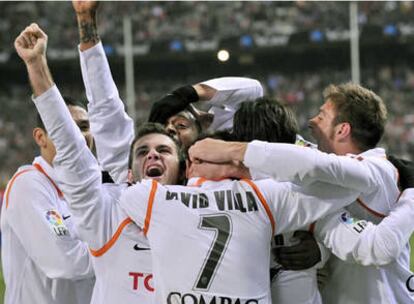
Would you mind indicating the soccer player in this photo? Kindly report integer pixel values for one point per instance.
(230, 208)
(351, 122)
(43, 258)
(113, 140)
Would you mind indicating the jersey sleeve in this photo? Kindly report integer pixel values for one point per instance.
(294, 207)
(303, 165)
(230, 92)
(112, 128)
(79, 173)
(362, 242)
(34, 217)
(138, 202)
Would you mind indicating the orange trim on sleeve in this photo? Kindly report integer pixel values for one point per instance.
(264, 203)
(111, 242)
(369, 209)
(12, 182)
(39, 167)
(149, 206)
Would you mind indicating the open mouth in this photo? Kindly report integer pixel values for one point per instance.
(154, 171)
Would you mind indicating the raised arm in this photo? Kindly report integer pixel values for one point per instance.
(222, 95)
(112, 128)
(67, 256)
(78, 171)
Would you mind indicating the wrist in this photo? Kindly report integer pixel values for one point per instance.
(36, 62)
(237, 150)
(86, 15)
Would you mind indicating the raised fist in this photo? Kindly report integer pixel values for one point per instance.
(82, 7)
(31, 44)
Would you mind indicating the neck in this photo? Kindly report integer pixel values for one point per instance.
(47, 156)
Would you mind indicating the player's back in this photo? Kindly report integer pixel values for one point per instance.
(211, 244)
(207, 244)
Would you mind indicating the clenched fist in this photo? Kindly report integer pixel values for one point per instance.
(83, 7)
(31, 44)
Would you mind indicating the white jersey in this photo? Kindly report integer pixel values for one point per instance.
(213, 242)
(375, 179)
(43, 259)
(230, 93)
(121, 258)
(300, 286)
(113, 129)
(281, 207)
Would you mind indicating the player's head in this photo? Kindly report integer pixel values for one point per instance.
(80, 116)
(184, 127)
(155, 154)
(265, 119)
(351, 120)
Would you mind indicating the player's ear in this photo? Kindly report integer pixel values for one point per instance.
(40, 137)
(130, 177)
(343, 130)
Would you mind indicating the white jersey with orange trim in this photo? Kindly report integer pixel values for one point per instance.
(375, 179)
(120, 254)
(43, 259)
(252, 221)
(113, 129)
(212, 243)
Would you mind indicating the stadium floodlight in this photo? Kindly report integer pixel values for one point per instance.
(223, 55)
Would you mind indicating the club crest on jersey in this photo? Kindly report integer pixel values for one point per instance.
(354, 224)
(56, 223)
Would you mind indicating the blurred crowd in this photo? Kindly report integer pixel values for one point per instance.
(302, 91)
(200, 20)
(154, 21)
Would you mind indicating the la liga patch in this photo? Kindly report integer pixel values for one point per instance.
(352, 223)
(56, 223)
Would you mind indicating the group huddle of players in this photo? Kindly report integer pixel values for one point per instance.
(221, 207)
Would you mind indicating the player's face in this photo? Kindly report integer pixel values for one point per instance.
(80, 116)
(183, 127)
(323, 128)
(155, 156)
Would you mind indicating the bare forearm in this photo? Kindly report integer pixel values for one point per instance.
(39, 75)
(88, 31)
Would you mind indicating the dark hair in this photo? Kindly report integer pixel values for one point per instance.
(362, 109)
(264, 119)
(155, 128)
(69, 101)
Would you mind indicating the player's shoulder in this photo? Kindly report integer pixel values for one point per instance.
(27, 176)
(269, 186)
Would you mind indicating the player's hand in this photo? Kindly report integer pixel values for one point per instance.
(204, 118)
(172, 104)
(405, 170)
(215, 171)
(85, 7)
(301, 256)
(31, 44)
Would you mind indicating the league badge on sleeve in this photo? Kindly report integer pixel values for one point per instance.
(352, 223)
(56, 223)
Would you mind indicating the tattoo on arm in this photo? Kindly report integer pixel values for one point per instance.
(88, 32)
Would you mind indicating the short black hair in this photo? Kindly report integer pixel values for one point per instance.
(155, 128)
(264, 119)
(69, 101)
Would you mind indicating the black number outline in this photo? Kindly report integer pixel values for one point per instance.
(211, 262)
